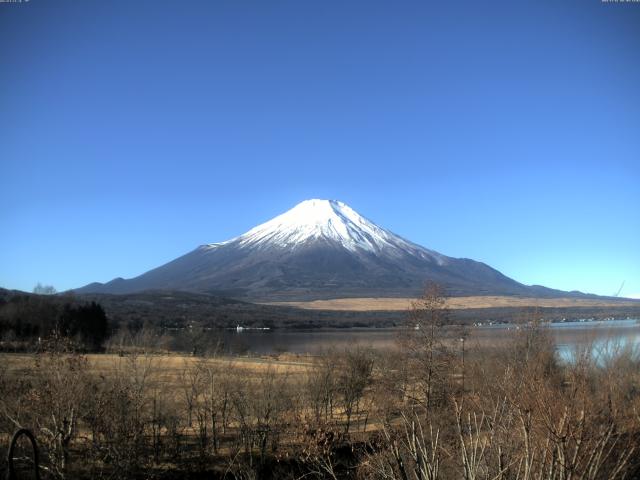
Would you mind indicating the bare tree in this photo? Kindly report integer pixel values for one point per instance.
(354, 376)
(41, 289)
(427, 355)
(320, 387)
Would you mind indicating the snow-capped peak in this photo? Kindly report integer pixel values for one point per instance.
(330, 220)
(313, 219)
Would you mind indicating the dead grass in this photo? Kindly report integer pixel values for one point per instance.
(454, 303)
(168, 367)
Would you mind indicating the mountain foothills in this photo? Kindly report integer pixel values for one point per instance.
(320, 249)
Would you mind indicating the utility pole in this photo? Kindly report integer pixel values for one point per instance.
(462, 340)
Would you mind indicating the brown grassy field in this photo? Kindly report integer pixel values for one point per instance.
(454, 303)
(168, 367)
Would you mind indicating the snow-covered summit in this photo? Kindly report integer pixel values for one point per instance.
(328, 220)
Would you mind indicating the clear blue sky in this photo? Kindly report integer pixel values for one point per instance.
(503, 131)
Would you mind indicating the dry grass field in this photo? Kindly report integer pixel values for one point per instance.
(167, 368)
(454, 303)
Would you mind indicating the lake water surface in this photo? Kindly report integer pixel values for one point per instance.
(568, 336)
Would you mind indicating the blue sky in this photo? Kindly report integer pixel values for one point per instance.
(507, 132)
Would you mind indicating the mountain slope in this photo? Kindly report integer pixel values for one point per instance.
(319, 249)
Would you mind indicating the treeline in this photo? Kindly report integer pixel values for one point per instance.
(173, 311)
(438, 408)
(26, 320)
(180, 309)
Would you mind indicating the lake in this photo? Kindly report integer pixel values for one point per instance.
(568, 336)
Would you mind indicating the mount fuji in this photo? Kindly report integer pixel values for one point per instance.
(319, 249)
